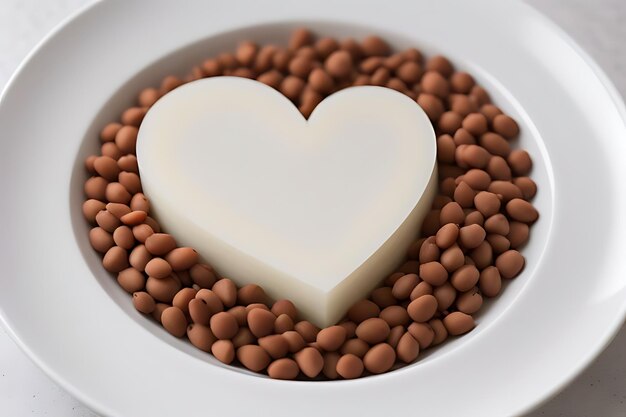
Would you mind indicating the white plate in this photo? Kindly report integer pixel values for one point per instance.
(75, 323)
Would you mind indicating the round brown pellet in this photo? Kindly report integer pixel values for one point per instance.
(202, 275)
(422, 288)
(464, 278)
(163, 290)
(224, 325)
(463, 137)
(284, 368)
(251, 293)
(283, 324)
(91, 208)
(375, 46)
(111, 149)
(383, 297)
(429, 251)
(439, 331)
(350, 327)
(174, 321)
(451, 259)
(450, 122)
(307, 330)
(201, 336)
(143, 302)
(379, 358)
(445, 295)
(518, 234)
(373, 330)
(490, 281)
(461, 82)
(477, 179)
(158, 268)
(107, 221)
(213, 302)
(226, 290)
(310, 361)
(482, 255)
(140, 202)
(458, 323)
(422, 308)
(471, 236)
(469, 302)
(433, 273)
(498, 224)
(141, 232)
(158, 310)
(474, 217)
(330, 365)
(101, 240)
(395, 315)
(498, 169)
(452, 213)
(134, 218)
(505, 126)
(356, 347)
(261, 322)
(240, 312)
(475, 123)
(183, 298)
(403, 287)
(253, 357)
(527, 185)
(115, 259)
(350, 366)
(131, 280)
(339, 64)
(498, 243)
(432, 105)
(199, 311)
(423, 333)
(510, 263)
(275, 345)
(159, 244)
(182, 259)
(224, 351)
(295, 341)
(108, 132)
(447, 236)
(440, 64)
(394, 336)
(300, 37)
(506, 189)
(408, 348)
(521, 210)
(126, 139)
(284, 307)
(464, 195)
(106, 167)
(495, 144)
(331, 338)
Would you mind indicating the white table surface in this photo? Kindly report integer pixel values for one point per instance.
(598, 25)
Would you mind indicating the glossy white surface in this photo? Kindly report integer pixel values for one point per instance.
(233, 170)
(597, 392)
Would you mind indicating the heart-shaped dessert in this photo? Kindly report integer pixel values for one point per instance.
(317, 211)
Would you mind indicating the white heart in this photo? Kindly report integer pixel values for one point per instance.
(315, 211)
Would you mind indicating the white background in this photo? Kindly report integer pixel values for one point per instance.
(598, 25)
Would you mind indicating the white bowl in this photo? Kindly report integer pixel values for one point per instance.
(74, 321)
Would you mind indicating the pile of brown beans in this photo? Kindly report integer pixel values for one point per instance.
(471, 237)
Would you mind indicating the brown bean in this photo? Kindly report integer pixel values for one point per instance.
(464, 195)
(261, 322)
(464, 278)
(518, 234)
(408, 348)
(275, 345)
(143, 302)
(163, 290)
(477, 179)
(201, 336)
(115, 259)
(379, 358)
(482, 255)
(202, 275)
(469, 302)
(284, 368)
(498, 224)
(445, 295)
(395, 315)
(250, 294)
(350, 366)
(131, 280)
(199, 311)
(471, 236)
(310, 361)
(224, 351)
(522, 210)
(224, 325)
(182, 259)
(160, 243)
(450, 122)
(423, 308)
(294, 340)
(458, 323)
(498, 243)
(527, 185)
(451, 259)
(331, 338)
(174, 321)
(158, 268)
(101, 240)
(433, 273)
(505, 126)
(475, 123)
(422, 288)
(183, 298)
(253, 357)
(510, 263)
(423, 333)
(447, 236)
(107, 221)
(403, 287)
(283, 324)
